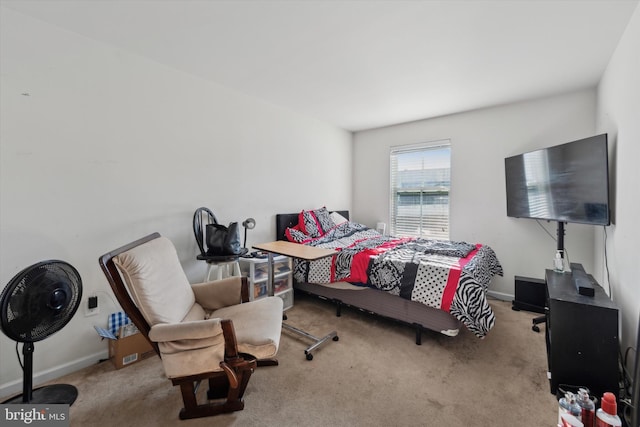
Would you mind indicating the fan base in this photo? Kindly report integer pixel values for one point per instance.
(52, 394)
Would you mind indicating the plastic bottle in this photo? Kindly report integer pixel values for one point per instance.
(568, 405)
(587, 408)
(558, 262)
(607, 415)
(569, 420)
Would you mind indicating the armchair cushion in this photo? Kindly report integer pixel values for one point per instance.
(156, 281)
(192, 330)
(257, 324)
(190, 346)
(218, 294)
(194, 361)
(196, 313)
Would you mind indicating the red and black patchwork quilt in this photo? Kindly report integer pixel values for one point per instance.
(450, 276)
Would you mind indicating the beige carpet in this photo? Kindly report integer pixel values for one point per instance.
(374, 375)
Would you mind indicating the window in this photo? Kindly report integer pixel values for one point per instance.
(420, 183)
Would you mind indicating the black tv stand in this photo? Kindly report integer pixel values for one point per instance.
(581, 336)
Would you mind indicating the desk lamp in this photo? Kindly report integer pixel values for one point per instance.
(248, 224)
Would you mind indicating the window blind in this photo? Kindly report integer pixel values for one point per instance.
(420, 184)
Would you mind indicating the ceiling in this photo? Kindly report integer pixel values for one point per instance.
(362, 64)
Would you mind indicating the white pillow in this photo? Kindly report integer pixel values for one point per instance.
(337, 218)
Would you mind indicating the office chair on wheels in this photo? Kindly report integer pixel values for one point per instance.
(536, 321)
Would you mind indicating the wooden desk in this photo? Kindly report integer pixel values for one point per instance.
(307, 253)
(294, 250)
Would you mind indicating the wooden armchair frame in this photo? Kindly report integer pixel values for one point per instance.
(228, 384)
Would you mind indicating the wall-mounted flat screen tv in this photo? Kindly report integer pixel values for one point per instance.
(564, 183)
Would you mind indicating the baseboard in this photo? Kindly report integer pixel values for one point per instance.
(15, 387)
(500, 295)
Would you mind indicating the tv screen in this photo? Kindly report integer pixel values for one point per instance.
(565, 183)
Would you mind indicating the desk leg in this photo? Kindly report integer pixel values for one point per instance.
(317, 342)
(270, 269)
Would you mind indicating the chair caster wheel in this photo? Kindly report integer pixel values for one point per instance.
(336, 338)
(309, 356)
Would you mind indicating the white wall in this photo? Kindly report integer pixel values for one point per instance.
(108, 147)
(480, 140)
(618, 114)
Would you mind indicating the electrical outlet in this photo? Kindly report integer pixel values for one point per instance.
(92, 307)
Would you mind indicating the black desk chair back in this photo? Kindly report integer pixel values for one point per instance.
(217, 263)
(202, 217)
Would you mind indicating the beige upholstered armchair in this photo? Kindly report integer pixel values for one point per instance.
(206, 331)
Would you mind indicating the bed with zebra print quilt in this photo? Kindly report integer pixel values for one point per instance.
(449, 276)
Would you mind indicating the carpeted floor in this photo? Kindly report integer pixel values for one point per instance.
(374, 375)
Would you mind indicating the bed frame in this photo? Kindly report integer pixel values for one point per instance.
(415, 314)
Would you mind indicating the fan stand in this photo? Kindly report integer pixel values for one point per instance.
(53, 394)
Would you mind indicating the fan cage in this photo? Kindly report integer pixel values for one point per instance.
(40, 300)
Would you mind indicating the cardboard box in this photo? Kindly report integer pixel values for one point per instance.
(130, 349)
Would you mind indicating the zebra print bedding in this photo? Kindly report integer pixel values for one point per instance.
(450, 276)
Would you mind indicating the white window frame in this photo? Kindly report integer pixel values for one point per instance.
(431, 220)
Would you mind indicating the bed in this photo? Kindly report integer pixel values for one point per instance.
(428, 284)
